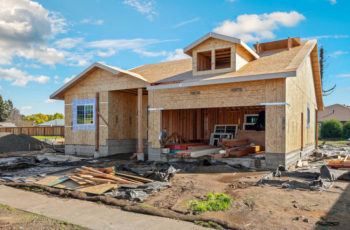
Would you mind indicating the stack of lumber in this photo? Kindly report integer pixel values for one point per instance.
(93, 180)
(240, 147)
(339, 163)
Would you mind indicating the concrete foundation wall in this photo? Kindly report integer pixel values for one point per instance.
(113, 147)
(273, 160)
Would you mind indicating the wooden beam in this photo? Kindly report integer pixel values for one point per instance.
(316, 123)
(97, 122)
(139, 121)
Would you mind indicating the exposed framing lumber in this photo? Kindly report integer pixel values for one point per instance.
(97, 122)
(139, 121)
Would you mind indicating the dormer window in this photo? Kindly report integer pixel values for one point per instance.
(223, 58)
(204, 61)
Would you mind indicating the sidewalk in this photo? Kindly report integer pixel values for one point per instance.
(86, 214)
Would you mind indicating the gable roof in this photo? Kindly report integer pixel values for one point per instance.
(96, 65)
(271, 64)
(187, 49)
(337, 112)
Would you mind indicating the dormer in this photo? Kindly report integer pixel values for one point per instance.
(215, 53)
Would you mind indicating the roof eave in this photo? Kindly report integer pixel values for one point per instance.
(245, 78)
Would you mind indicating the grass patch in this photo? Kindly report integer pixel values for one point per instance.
(333, 142)
(42, 138)
(212, 202)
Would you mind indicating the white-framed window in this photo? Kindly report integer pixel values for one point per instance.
(85, 114)
(250, 121)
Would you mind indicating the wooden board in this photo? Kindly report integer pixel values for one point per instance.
(98, 189)
(52, 180)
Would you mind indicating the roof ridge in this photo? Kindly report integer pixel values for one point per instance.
(162, 62)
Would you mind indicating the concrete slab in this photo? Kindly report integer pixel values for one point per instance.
(86, 214)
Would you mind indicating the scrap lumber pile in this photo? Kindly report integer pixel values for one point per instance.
(240, 147)
(339, 163)
(93, 180)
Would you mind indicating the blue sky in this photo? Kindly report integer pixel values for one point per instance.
(44, 43)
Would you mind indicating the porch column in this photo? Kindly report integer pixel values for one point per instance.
(139, 121)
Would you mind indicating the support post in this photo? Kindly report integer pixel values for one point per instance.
(139, 121)
(97, 122)
(316, 128)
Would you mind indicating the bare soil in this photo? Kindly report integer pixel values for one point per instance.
(11, 218)
(260, 207)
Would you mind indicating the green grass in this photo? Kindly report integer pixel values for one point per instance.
(333, 142)
(42, 138)
(212, 202)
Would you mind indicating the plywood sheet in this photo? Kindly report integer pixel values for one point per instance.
(98, 189)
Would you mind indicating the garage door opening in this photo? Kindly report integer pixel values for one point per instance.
(188, 130)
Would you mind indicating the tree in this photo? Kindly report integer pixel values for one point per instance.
(331, 129)
(39, 118)
(6, 106)
(346, 130)
(323, 64)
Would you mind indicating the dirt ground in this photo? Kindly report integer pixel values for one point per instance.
(260, 207)
(11, 218)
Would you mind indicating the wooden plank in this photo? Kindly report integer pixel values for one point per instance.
(98, 189)
(139, 121)
(52, 180)
(204, 152)
(97, 122)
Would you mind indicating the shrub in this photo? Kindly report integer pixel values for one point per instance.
(346, 130)
(213, 202)
(331, 129)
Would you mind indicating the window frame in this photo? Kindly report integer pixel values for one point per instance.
(230, 60)
(245, 120)
(210, 61)
(85, 113)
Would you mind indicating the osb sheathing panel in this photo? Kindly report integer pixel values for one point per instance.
(100, 80)
(96, 81)
(123, 115)
(300, 93)
(85, 137)
(225, 95)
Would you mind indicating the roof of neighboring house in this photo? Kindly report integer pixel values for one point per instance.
(335, 112)
(271, 64)
(56, 122)
(7, 124)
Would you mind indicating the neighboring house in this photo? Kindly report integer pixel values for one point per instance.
(335, 112)
(224, 82)
(56, 122)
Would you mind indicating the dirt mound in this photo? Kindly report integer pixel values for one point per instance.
(13, 143)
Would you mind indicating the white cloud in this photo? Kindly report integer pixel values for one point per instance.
(68, 43)
(68, 79)
(333, 2)
(25, 109)
(338, 53)
(50, 101)
(95, 22)
(344, 75)
(176, 55)
(146, 53)
(256, 27)
(106, 53)
(20, 78)
(25, 28)
(144, 7)
(328, 36)
(183, 23)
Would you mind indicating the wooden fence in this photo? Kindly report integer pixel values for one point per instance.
(35, 130)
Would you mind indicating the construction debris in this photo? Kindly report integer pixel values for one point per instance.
(140, 192)
(12, 143)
